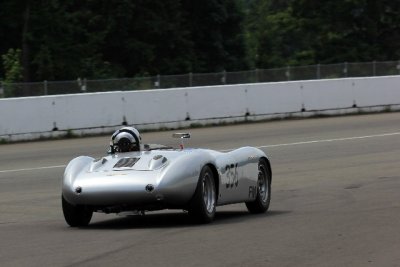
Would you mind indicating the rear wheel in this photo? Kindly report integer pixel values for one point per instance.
(263, 197)
(202, 206)
(76, 216)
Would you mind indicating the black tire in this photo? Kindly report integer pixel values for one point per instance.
(263, 197)
(76, 216)
(203, 204)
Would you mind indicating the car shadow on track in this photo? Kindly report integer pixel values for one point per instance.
(178, 220)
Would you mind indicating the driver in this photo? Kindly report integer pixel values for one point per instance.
(126, 139)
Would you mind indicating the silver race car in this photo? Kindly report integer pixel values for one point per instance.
(136, 178)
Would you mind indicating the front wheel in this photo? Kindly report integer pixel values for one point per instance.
(76, 216)
(202, 205)
(263, 197)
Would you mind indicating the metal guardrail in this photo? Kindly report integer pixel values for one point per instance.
(311, 72)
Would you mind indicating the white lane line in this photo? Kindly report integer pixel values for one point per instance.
(332, 140)
(324, 141)
(226, 150)
(34, 169)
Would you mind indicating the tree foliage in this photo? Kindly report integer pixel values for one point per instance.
(122, 38)
(297, 32)
(12, 65)
(61, 40)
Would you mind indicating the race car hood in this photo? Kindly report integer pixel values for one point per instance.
(138, 161)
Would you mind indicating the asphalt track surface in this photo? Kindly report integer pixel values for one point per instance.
(335, 202)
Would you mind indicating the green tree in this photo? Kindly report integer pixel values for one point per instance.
(62, 40)
(13, 70)
(216, 30)
(308, 32)
(147, 37)
(12, 65)
(10, 28)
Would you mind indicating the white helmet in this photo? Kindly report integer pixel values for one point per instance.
(125, 139)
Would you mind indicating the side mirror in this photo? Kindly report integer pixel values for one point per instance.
(110, 151)
(181, 136)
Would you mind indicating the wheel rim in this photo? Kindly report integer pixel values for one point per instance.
(263, 184)
(208, 193)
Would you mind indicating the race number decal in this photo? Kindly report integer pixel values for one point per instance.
(232, 176)
(252, 191)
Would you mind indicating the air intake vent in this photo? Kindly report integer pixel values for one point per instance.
(126, 163)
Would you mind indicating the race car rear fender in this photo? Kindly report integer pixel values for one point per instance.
(178, 180)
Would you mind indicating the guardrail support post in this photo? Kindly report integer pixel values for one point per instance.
(190, 79)
(45, 87)
(223, 79)
(287, 73)
(257, 76)
(374, 68)
(398, 66)
(158, 84)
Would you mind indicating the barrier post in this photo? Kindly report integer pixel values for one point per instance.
(45, 87)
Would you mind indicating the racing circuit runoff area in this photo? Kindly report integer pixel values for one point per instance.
(335, 202)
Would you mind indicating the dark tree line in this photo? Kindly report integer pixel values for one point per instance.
(300, 32)
(62, 40)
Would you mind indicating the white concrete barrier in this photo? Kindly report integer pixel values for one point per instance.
(34, 117)
(377, 92)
